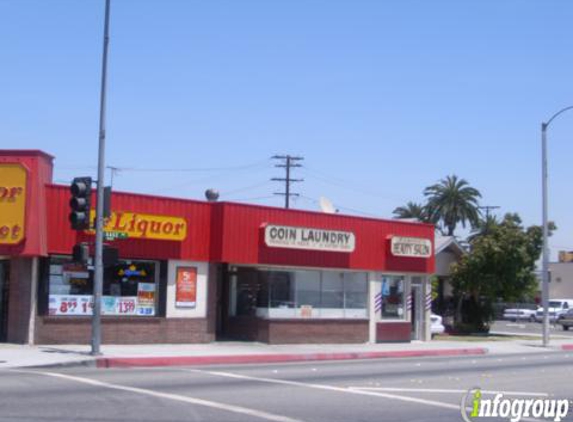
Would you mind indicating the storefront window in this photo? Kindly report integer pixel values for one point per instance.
(299, 293)
(355, 295)
(129, 288)
(393, 297)
(308, 289)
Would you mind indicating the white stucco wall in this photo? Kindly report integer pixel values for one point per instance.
(561, 285)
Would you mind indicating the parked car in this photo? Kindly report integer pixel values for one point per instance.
(436, 326)
(557, 307)
(519, 314)
(566, 320)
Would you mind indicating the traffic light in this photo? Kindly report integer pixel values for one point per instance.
(81, 253)
(80, 203)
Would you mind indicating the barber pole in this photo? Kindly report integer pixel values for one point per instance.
(378, 302)
(409, 302)
(428, 301)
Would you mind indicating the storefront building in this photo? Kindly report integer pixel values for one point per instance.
(194, 272)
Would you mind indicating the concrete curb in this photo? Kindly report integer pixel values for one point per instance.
(127, 362)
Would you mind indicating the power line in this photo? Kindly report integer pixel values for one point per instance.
(289, 162)
(256, 198)
(338, 207)
(191, 169)
(348, 185)
(246, 188)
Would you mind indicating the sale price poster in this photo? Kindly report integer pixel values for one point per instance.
(186, 287)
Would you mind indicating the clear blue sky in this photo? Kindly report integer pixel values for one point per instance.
(382, 98)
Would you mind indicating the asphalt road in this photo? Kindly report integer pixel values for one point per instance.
(428, 389)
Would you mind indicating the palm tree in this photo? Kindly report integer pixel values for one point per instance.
(452, 201)
(411, 210)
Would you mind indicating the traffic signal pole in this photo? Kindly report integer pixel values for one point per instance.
(98, 272)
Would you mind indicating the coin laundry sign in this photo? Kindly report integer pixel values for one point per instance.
(309, 239)
(414, 247)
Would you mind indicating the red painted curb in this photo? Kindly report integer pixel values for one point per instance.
(567, 347)
(306, 357)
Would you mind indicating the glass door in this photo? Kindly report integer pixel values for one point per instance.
(416, 311)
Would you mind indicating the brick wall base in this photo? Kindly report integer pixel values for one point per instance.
(290, 331)
(123, 330)
(317, 331)
(393, 332)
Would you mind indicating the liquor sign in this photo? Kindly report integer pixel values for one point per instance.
(186, 287)
(133, 225)
(13, 181)
(309, 239)
(413, 247)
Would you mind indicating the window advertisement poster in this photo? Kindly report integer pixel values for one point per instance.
(125, 305)
(186, 287)
(108, 305)
(82, 305)
(117, 305)
(70, 305)
(146, 299)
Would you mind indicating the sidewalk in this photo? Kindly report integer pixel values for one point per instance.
(13, 356)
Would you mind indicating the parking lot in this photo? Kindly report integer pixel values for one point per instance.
(525, 327)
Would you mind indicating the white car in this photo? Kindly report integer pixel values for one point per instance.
(436, 326)
(520, 314)
(557, 307)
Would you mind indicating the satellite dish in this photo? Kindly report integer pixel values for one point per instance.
(326, 205)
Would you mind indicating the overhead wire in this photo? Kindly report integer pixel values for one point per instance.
(365, 213)
(348, 185)
(191, 169)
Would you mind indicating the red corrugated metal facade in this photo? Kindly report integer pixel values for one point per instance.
(233, 233)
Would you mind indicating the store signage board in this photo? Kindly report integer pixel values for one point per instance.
(186, 287)
(13, 184)
(115, 235)
(123, 225)
(413, 247)
(309, 239)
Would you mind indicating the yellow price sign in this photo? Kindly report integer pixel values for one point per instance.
(13, 184)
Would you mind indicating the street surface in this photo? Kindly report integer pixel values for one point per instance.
(429, 389)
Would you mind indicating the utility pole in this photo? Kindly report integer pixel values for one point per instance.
(487, 209)
(98, 273)
(288, 162)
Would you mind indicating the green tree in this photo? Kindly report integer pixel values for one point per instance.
(483, 227)
(452, 201)
(411, 210)
(500, 265)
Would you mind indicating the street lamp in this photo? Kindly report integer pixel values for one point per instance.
(545, 259)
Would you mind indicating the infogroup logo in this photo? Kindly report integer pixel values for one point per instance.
(474, 407)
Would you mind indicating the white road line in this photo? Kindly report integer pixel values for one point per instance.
(439, 390)
(433, 403)
(175, 397)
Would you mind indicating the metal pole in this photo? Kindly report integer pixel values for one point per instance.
(545, 256)
(287, 190)
(98, 274)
